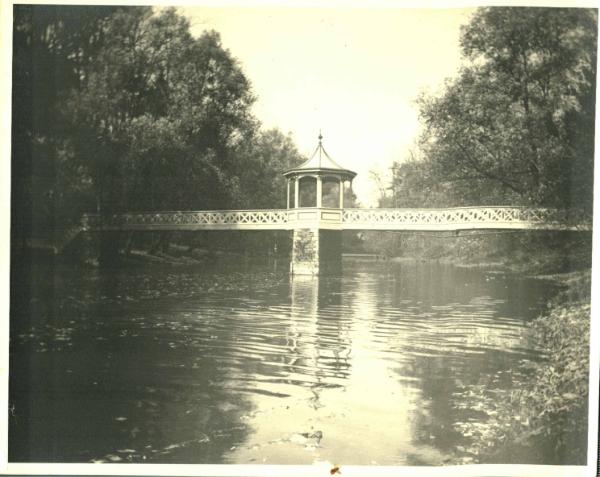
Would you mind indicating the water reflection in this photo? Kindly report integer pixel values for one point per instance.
(133, 381)
(193, 366)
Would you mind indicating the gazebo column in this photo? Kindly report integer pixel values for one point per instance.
(319, 192)
(341, 194)
(350, 188)
(296, 193)
(287, 200)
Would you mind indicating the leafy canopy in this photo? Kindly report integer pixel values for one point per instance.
(516, 127)
(121, 108)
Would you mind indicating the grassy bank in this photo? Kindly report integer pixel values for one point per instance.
(544, 421)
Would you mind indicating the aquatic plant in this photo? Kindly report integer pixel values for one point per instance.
(544, 421)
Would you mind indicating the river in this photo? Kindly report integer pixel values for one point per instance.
(236, 363)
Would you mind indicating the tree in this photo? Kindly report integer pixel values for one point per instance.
(260, 169)
(160, 116)
(51, 49)
(122, 109)
(517, 126)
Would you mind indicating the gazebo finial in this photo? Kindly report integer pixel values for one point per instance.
(320, 138)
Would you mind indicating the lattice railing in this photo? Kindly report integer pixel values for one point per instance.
(181, 219)
(466, 217)
(460, 218)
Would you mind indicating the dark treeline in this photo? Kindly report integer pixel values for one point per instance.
(121, 108)
(514, 127)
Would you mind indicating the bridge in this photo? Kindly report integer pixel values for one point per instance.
(316, 191)
(444, 219)
(317, 231)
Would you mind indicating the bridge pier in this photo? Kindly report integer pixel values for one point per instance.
(316, 252)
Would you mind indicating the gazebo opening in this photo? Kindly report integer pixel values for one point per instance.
(331, 192)
(307, 191)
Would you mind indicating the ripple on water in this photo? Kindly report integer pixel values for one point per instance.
(374, 359)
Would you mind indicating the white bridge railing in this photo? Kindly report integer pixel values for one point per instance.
(465, 218)
(459, 218)
(191, 220)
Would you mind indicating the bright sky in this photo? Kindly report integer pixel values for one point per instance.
(354, 73)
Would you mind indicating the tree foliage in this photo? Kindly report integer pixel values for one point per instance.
(50, 54)
(516, 127)
(121, 108)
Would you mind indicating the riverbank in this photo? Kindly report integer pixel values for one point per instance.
(546, 420)
(525, 252)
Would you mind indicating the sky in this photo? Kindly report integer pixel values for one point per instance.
(353, 73)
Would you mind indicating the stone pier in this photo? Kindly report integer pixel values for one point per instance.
(316, 252)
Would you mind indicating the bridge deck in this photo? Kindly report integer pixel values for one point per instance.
(449, 219)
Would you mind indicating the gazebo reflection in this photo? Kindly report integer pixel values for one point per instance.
(320, 332)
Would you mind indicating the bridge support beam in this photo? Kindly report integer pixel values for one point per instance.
(316, 252)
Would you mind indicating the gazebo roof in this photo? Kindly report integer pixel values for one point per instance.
(320, 162)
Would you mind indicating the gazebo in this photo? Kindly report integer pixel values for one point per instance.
(315, 202)
(319, 182)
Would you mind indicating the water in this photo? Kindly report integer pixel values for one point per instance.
(189, 365)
